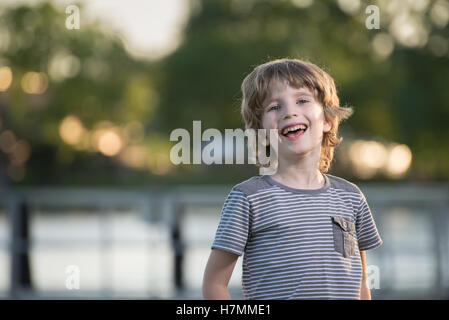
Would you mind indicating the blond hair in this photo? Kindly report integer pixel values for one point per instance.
(297, 74)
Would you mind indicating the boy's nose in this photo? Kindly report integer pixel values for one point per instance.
(290, 111)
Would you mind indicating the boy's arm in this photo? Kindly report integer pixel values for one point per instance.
(365, 293)
(217, 274)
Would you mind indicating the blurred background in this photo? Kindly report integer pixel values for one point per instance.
(92, 207)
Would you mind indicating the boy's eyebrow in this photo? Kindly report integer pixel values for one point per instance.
(298, 92)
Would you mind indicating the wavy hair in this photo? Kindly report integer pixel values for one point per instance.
(297, 74)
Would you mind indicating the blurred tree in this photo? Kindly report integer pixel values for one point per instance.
(393, 76)
(84, 111)
(57, 72)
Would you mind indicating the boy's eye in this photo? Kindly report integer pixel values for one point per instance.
(277, 107)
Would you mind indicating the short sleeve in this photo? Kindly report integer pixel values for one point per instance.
(367, 233)
(233, 229)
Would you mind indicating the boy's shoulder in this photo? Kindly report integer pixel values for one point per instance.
(252, 185)
(342, 184)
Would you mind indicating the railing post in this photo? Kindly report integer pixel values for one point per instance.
(178, 247)
(440, 224)
(19, 248)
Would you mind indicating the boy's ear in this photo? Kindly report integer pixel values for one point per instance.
(327, 127)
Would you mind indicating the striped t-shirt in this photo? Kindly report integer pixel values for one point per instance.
(298, 243)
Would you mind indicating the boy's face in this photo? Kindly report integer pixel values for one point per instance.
(286, 106)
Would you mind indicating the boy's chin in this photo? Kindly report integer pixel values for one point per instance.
(293, 152)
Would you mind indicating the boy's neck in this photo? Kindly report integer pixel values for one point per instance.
(300, 178)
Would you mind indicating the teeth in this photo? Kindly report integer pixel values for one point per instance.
(299, 126)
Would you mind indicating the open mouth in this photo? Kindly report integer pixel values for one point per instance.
(295, 131)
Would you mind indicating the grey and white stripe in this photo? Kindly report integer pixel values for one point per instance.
(290, 245)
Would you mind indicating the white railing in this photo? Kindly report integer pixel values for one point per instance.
(167, 207)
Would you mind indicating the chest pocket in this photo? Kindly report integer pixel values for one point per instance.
(344, 236)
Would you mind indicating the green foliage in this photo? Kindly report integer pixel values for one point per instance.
(401, 97)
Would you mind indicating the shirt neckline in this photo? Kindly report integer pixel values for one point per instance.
(295, 190)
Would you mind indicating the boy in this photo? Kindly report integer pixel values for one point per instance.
(303, 232)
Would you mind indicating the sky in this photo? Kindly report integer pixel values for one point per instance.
(149, 28)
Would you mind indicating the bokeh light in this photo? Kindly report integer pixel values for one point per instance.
(383, 44)
(7, 141)
(34, 82)
(109, 142)
(5, 78)
(64, 65)
(349, 6)
(399, 160)
(409, 30)
(71, 130)
(108, 138)
(439, 13)
(134, 156)
(20, 152)
(302, 3)
(83, 143)
(369, 158)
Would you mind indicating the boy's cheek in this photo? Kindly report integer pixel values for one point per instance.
(266, 123)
